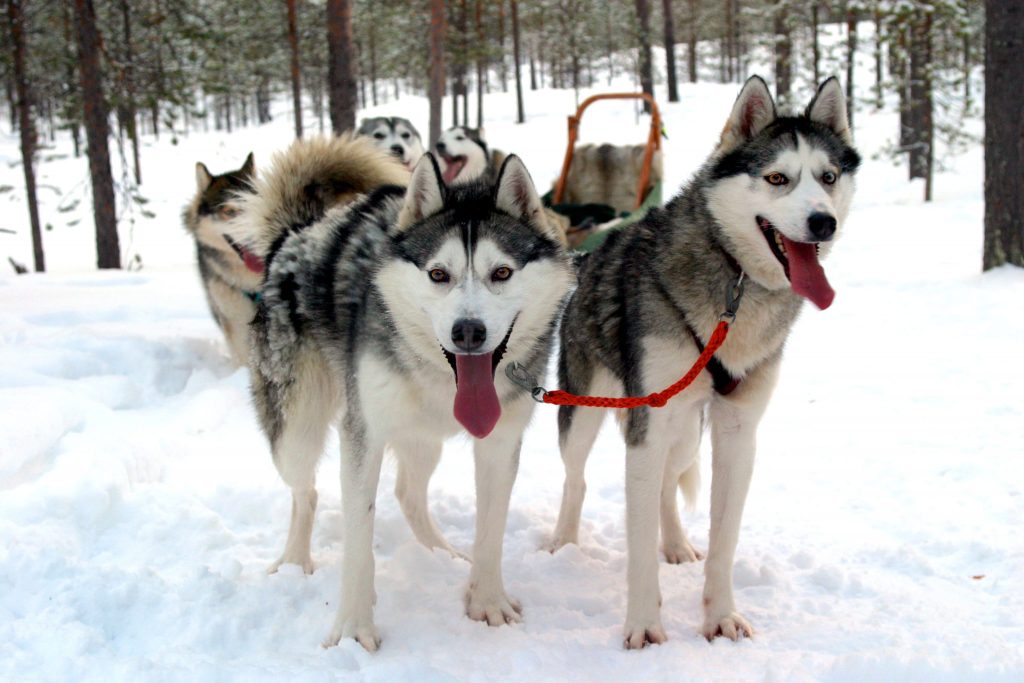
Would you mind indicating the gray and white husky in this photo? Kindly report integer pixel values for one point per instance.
(396, 136)
(230, 272)
(394, 318)
(758, 216)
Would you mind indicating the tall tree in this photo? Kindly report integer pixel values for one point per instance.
(341, 78)
(481, 63)
(126, 108)
(293, 48)
(26, 124)
(643, 18)
(815, 45)
(520, 114)
(436, 68)
(691, 47)
(97, 131)
(851, 55)
(670, 50)
(922, 146)
(1004, 141)
(783, 51)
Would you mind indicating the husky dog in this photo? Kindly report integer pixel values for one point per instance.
(758, 215)
(230, 272)
(392, 318)
(396, 136)
(465, 155)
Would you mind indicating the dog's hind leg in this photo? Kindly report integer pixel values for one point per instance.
(297, 447)
(416, 464)
(682, 464)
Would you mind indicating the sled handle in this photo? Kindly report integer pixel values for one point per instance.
(653, 141)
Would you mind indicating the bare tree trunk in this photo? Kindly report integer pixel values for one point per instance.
(815, 46)
(644, 40)
(69, 77)
(1004, 144)
(533, 72)
(878, 54)
(435, 65)
(293, 45)
(341, 91)
(503, 70)
(783, 52)
(16, 24)
(851, 54)
(480, 64)
(129, 89)
(730, 39)
(373, 62)
(520, 113)
(670, 51)
(691, 56)
(108, 247)
(922, 148)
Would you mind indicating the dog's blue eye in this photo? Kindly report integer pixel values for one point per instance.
(776, 178)
(439, 275)
(828, 177)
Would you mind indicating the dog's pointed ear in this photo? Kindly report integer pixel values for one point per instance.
(425, 195)
(753, 111)
(515, 194)
(248, 169)
(203, 177)
(829, 107)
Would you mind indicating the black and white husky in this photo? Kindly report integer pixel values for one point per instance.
(465, 155)
(761, 212)
(230, 272)
(396, 136)
(394, 318)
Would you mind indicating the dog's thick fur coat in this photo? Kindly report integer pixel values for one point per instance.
(652, 294)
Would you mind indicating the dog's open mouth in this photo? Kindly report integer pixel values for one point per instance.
(800, 262)
(452, 167)
(477, 407)
(251, 260)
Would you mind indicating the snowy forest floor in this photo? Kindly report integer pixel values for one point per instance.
(139, 508)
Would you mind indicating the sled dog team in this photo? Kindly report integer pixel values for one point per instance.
(385, 290)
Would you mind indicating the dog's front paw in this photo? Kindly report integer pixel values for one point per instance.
(680, 552)
(557, 542)
(364, 632)
(305, 562)
(494, 607)
(732, 625)
(641, 633)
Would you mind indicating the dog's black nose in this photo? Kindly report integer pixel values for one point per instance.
(469, 334)
(822, 226)
(440, 147)
(397, 150)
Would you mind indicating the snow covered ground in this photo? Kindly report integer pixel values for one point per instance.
(139, 507)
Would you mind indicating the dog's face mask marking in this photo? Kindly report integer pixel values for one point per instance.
(463, 154)
(396, 136)
(469, 274)
(784, 187)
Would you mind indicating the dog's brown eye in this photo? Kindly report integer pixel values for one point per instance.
(828, 177)
(501, 274)
(776, 178)
(439, 275)
(227, 212)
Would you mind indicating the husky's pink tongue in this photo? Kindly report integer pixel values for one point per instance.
(252, 261)
(476, 402)
(452, 169)
(806, 276)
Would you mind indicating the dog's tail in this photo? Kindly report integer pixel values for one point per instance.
(306, 180)
(689, 484)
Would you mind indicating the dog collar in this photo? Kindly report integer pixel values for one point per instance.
(254, 297)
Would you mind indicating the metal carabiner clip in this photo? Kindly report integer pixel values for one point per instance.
(518, 375)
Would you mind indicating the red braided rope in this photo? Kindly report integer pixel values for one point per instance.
(655, 400)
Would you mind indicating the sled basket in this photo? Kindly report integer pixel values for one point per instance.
(603, 187)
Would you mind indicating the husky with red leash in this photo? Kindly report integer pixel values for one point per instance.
(743, 241)
(393, 318)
